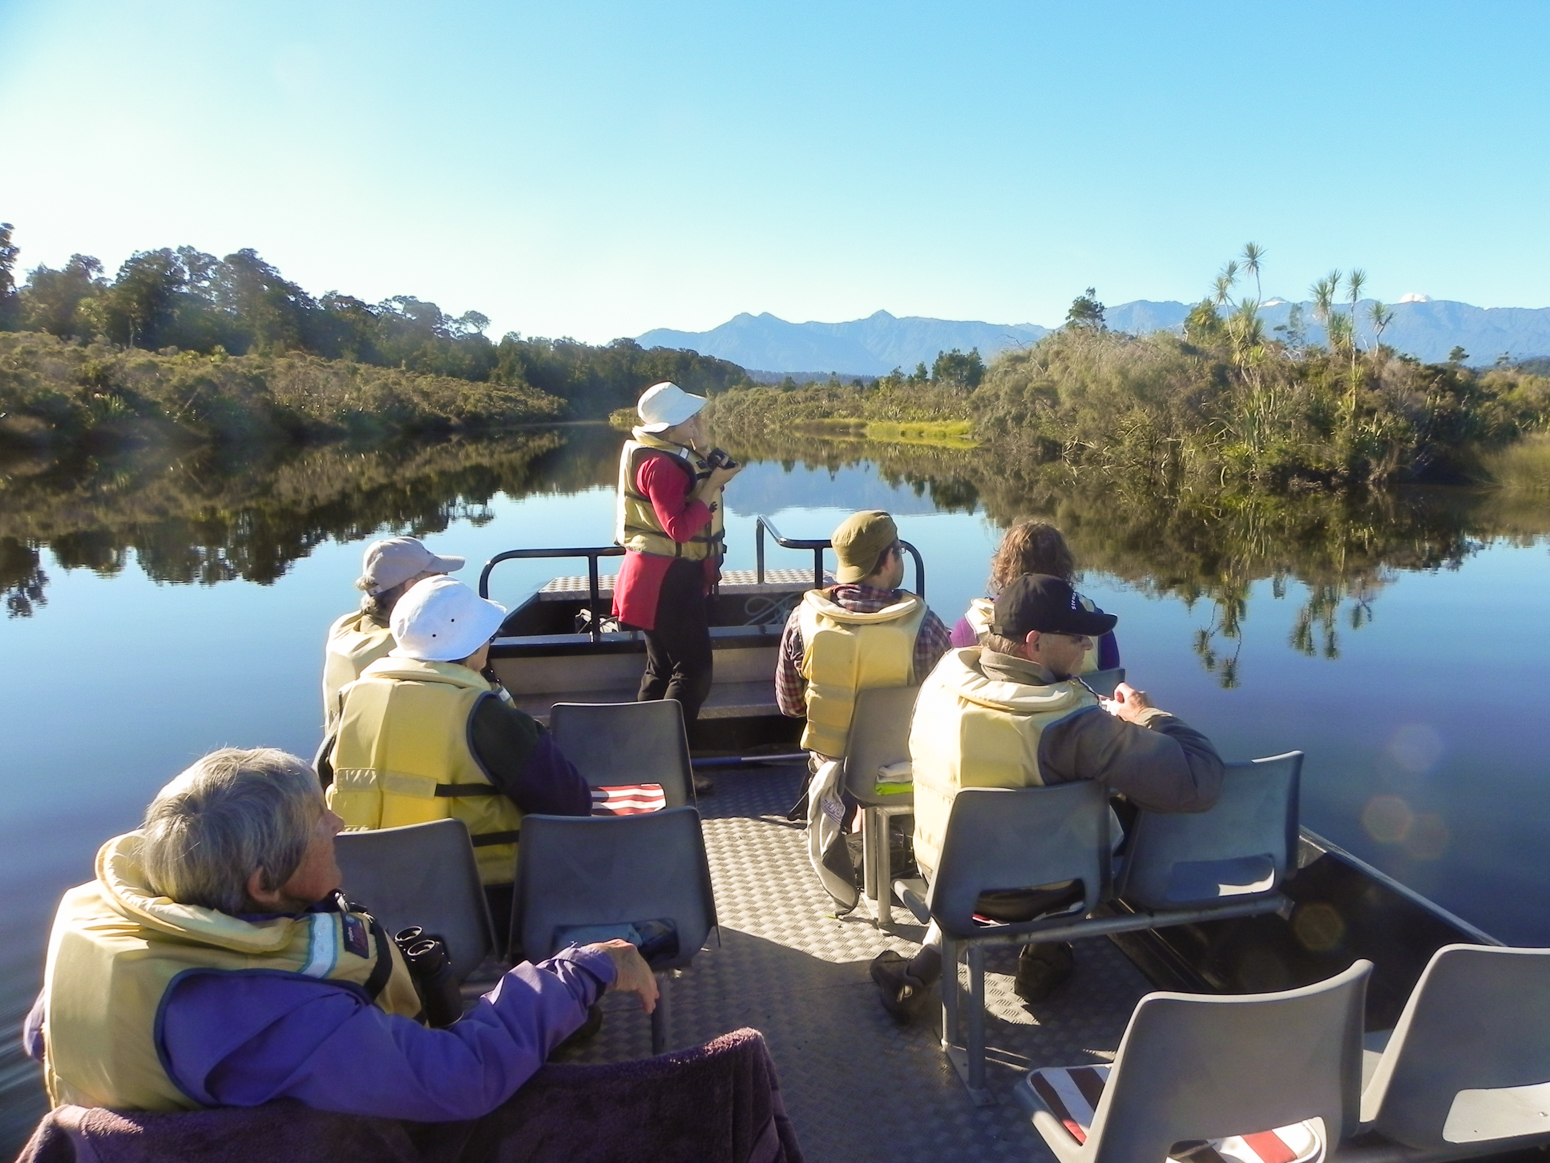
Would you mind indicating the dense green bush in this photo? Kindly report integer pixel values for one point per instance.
(54, 391)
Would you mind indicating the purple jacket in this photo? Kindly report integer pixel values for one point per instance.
(240, 1039)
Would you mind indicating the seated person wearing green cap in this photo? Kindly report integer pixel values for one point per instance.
(1034, 724)
(422, 735)
(864, 632)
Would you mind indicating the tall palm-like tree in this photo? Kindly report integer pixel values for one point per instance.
(1323, 293)
(1252, 254)
(1224, 283)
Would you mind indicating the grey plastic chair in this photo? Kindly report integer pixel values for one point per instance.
(425, 875)
(1196, 1067)
(620, 743)
(999, 839)
(879, 737)
(1241, 849)
(1467, 1068)
(576, 871)
(1104, 681)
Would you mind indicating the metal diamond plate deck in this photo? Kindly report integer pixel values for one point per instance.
(858, 1086)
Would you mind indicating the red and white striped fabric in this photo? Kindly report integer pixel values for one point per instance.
(630, 799)
(1071, 1094)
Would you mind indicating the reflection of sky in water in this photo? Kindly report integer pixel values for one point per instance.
(1426, 749)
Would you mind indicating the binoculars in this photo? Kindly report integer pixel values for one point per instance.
(431, 967)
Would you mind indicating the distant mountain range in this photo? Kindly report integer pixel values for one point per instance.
(876, 345)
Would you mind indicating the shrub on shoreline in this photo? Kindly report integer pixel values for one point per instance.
(53, 391)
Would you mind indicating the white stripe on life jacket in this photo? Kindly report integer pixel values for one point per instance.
(628, 799)
(324, 947)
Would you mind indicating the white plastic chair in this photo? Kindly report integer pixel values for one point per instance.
(1467, 1068)
(879, 737)
(624, 743)
(1234, 1071)
(575, 872)
(422, 874)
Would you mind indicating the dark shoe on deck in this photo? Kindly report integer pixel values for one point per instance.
(903, 995)
(1042, 969)
(704, 785)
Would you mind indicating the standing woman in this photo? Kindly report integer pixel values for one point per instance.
(1030, 547)
(669, 520)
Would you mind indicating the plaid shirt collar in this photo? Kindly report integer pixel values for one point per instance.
(861, 599)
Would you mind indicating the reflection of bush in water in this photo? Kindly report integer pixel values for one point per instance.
(22, 578)
(207, 517)
(1211, 546)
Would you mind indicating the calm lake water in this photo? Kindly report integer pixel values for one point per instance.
(163, 607)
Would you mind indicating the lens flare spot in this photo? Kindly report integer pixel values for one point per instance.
(1388, 819)
(1415, 748)
(1428, 838)
(1319, 927)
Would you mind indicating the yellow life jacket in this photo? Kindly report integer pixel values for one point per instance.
(973, 731)
(402, 756)
(355, 641)
(844, 653)
(117, 948)
(635, 520)
(982, 611)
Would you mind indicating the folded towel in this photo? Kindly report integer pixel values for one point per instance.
(720, 1101)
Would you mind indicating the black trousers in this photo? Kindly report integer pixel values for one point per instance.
(678, 653)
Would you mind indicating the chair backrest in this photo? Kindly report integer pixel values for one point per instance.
(1104, 681)
(1475, 1031)
(620, 743)
(1195, 1066)
(879, 736)
(425, 875)
(1014, 838)
(1244, 846)
(575, 871)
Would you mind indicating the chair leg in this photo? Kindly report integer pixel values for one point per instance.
(884, 864)
(949, 993)
(869, 880)
(976, 1040)
(659, 1016)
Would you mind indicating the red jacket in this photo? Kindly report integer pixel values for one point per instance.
(662, 478)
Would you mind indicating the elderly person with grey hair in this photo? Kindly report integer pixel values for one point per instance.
(213, 962)
(389, 569)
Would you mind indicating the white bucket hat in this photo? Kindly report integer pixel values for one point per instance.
(395, 560)
(442, 620)
(663, 406)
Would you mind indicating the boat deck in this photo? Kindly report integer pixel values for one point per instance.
(857, 1085)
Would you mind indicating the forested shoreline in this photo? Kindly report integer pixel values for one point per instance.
(1226, 404)
(182, 345)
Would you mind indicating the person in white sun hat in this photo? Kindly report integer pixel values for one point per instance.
(422, 735)
(389, 569)
(669, 520)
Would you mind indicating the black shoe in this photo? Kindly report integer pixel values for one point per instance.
(1042, 969)
(903, 994)
(704, 785)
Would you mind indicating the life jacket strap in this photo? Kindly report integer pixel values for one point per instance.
(485, 839)
(458, 791)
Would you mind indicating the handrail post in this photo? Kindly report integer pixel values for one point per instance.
(817, 568)
(758, 551)
(597, 598)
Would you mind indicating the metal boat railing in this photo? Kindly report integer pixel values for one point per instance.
(591, 553)
(818, 545)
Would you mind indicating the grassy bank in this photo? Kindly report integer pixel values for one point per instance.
(54, 392)
(1185, 411)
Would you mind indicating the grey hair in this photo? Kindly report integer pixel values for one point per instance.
(381, 605)
(230, 814)
(997, 644)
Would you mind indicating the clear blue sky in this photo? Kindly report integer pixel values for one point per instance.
(601, 169)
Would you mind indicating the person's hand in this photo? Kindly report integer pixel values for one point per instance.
(631, 973)
(720, 476)
(1127, 703)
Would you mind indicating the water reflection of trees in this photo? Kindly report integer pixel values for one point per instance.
(1213, 547)
(214, 515)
